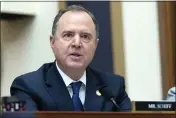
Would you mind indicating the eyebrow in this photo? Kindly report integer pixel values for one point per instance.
(87, 34)
(82, 32)
(67, 31)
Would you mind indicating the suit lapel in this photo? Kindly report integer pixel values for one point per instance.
(58, 90)
(93, 102)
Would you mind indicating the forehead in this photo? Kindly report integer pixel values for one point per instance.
(76, 19)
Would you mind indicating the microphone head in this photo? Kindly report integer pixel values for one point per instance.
(106, 93)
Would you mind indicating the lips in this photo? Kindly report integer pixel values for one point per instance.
(75, 56)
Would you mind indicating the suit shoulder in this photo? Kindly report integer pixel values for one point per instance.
(172, 90)
(107, 75)
(171, 94)
(34, 76)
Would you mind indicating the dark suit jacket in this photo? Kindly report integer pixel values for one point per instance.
(45, 89)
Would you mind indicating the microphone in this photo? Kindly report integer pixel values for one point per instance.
(107, 94)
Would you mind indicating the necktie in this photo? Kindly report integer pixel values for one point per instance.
(76, 100)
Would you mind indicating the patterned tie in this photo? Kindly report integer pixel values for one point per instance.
(76, 100)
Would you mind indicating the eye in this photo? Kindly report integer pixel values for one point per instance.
(68, 35)
(85, 37)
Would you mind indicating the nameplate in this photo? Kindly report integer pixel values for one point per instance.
(154, 106)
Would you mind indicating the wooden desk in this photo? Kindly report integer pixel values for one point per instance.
(106, 115)
(89, 115)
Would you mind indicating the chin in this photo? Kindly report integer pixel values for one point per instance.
(76, 66)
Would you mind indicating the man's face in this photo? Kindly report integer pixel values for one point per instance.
(75, 42)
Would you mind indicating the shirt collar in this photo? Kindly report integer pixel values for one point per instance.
(67, 80)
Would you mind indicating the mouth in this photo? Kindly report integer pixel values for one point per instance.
(75, 56)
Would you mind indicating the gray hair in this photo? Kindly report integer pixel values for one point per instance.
(74, 8)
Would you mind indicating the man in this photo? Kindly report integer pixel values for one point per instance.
(172, 94)
(69, 84)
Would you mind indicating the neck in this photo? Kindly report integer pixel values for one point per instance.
(73, 73)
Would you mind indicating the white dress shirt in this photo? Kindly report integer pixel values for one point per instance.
(67, 80)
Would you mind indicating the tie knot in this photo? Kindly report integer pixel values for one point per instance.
(76, 86)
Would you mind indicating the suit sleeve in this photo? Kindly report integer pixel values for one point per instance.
(20, 89)
(123, 99)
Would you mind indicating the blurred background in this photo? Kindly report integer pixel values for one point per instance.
(137, 41)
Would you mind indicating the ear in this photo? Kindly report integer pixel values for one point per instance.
(52, 41)
(97, 40)
(96, 44)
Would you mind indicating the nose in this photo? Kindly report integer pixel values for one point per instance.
(77, 42)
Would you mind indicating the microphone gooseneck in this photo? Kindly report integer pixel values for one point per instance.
(107, 94)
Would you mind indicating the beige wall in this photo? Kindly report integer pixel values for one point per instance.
(142, 53)
(25, 43)
(29, 8)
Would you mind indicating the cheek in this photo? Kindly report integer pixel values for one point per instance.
(60, 49)
(90, 50)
